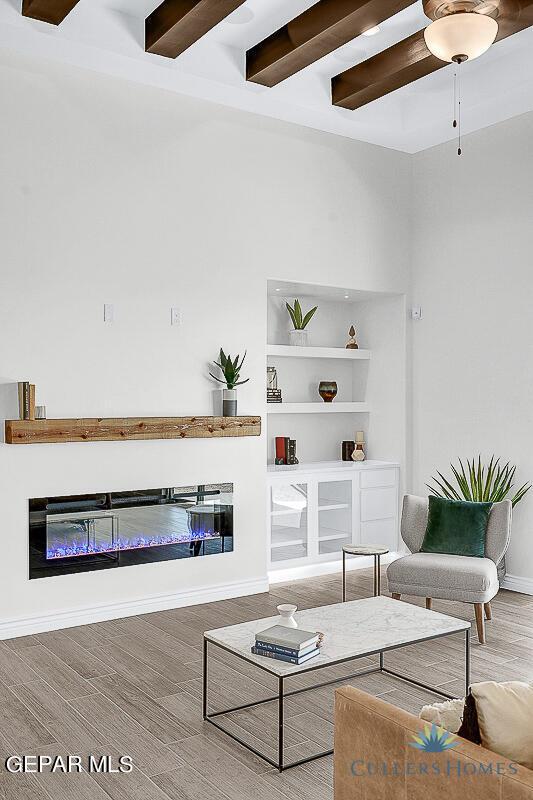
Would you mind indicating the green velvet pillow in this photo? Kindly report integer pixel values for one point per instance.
(456, 527)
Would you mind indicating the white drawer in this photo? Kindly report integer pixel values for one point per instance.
(381, 532)
(379, 503)
(378, 477)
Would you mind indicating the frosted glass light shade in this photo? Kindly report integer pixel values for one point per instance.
(462, 34)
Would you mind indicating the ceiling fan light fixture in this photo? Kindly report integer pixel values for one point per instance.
(461, 36)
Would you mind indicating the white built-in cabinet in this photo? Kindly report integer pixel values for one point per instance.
(316, 509)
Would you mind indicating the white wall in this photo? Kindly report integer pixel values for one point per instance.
(112, 192)
(473, 275)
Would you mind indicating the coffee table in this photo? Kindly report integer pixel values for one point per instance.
(351, 631)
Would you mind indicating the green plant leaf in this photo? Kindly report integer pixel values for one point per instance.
(520, 493)
(479, 482)
(448, 486)
(292, 315)
(230, 369)
(308, 317)
(298, 313)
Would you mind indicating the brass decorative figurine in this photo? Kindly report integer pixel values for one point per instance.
(352, 342)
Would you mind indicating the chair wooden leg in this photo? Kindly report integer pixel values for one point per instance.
(480, 622)
(488, 611)
(396, 596)
(428, 603)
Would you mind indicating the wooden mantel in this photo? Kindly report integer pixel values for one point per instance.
(53, 431)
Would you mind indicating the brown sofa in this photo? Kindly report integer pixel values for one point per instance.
(374, 760)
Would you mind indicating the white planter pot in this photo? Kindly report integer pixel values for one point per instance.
(298, 338)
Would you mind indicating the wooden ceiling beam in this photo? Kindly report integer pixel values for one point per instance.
(410, 60)
(53, 11)
(176, 24)
(320, 30)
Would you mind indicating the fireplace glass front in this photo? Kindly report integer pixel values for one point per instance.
(117, 529)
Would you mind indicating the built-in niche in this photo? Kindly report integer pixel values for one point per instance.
(107, 530)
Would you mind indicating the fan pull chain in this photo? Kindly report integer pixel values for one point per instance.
(457, 104)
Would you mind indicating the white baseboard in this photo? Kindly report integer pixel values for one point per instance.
(515, 583)
(24, 626)
(326, 568)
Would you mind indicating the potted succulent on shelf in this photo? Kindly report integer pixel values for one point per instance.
(482, 483)
(231, 369)
(298, 336)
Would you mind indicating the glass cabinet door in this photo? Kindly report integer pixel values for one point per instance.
(289, 521)
(335, 517)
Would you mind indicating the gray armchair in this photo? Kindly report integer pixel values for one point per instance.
(450, 577)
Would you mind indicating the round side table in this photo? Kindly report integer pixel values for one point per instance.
(364, 550)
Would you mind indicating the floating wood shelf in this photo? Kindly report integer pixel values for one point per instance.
(53, 431)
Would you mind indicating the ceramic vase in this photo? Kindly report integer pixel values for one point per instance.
(229, 403)
(286, 615)
(327, 390)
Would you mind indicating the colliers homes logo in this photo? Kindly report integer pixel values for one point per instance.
(434, 739)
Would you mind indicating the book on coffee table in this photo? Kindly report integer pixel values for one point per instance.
(291, 659)
(287, 644)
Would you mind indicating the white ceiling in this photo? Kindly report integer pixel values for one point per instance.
(108, 36)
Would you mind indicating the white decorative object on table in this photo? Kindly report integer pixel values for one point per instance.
(286, 615)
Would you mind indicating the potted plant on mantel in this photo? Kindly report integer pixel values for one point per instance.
(298, 336)
(231, 369)
(480, 483)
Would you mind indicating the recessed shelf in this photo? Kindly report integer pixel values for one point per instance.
(287, 512)
(332, 537)
(319, 408)
(288, 351)
(334, 507)
(286, 538)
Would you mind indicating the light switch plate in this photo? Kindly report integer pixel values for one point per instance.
(109, 312)
(175, 316)
(416, 312)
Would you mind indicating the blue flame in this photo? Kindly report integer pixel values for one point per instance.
(74, 548)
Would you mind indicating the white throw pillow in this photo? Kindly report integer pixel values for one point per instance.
(505, 717)
(447, 715)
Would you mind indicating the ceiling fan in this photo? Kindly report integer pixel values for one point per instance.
(460, 31)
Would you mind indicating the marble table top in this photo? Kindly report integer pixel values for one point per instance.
(365, 549)
(357, 628)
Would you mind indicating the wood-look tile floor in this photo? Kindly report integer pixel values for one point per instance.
(133, 687)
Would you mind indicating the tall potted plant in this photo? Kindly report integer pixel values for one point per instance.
(483, 483)
(298, 336)
(230, 369)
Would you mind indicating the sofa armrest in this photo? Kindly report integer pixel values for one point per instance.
(374, 759)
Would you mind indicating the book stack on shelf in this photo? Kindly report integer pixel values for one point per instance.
(26, 392)
(287, 644)
(274, 396)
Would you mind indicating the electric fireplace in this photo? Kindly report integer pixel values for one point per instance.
(108, 530)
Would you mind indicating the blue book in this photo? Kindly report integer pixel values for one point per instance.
(285, 651)
(259, 651)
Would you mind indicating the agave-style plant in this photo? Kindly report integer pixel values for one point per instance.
(489, 483)
(300, 321)
(231, 370)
